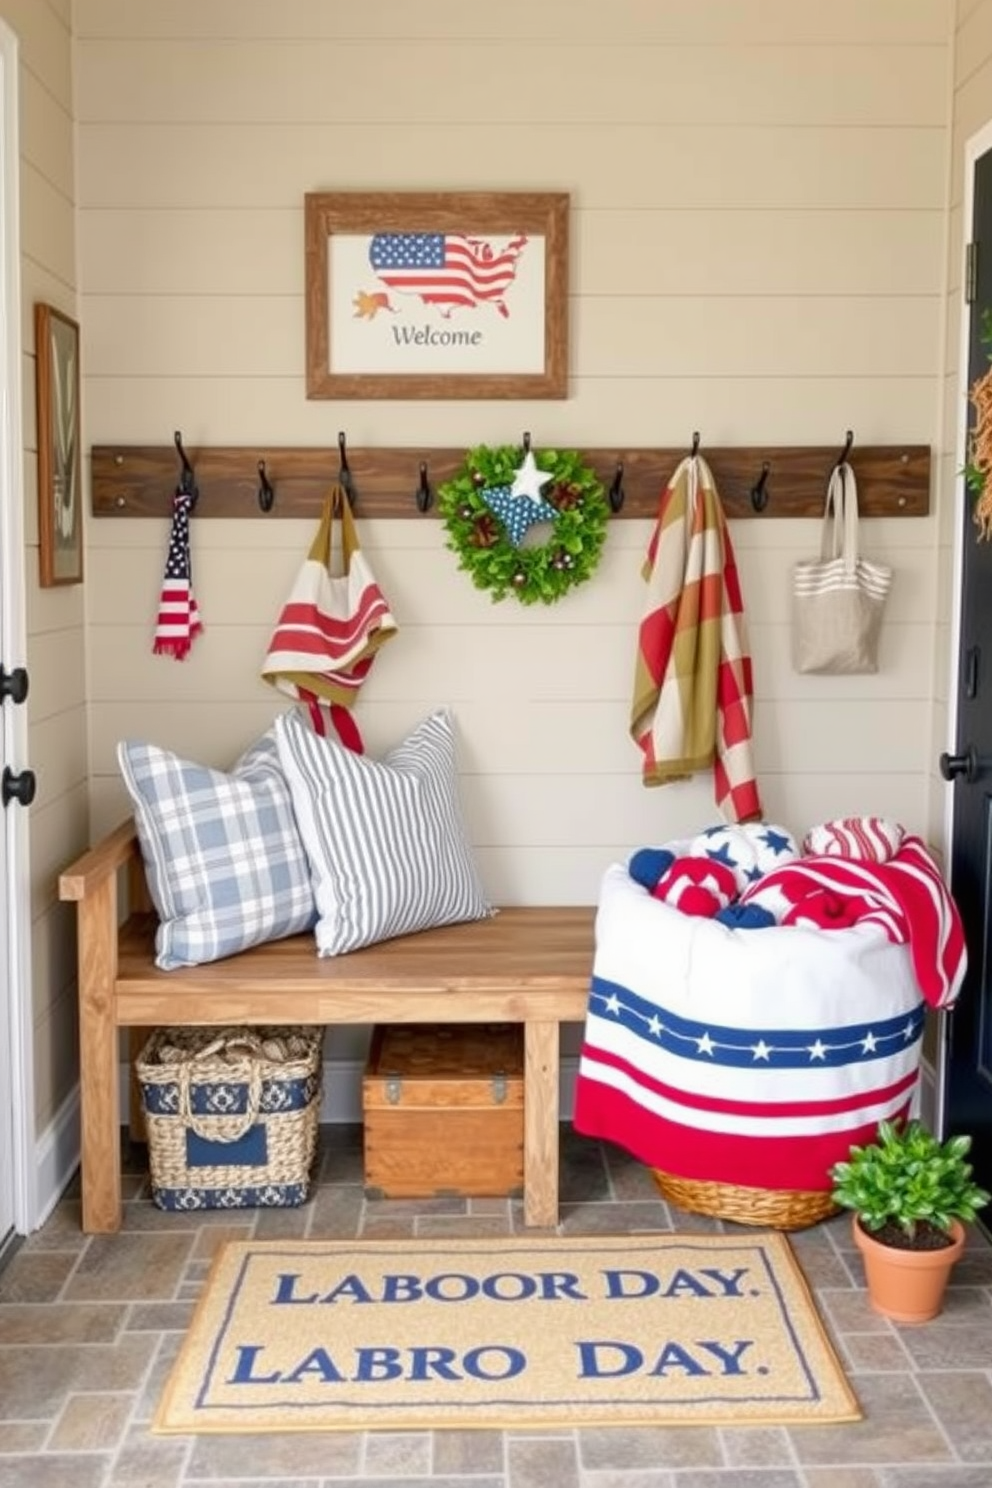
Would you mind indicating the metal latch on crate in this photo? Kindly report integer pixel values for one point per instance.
(394, 1088)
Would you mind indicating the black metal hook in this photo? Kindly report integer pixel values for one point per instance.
(845, 452)
(344, 473)
(423, 496)
(695, 443)
(266, 490)
(526, 444)
(615, 494)
(187, 479)
(759, 491)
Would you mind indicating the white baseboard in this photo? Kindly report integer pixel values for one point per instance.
(56, 1157)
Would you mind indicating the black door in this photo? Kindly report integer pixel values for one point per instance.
(969, 1067)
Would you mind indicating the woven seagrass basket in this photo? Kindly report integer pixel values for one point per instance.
(775, 1209)
(231, 1115)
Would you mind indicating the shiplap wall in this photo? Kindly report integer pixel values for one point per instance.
(759, 244)
(758, 196)
(57, 727)
(758, 227)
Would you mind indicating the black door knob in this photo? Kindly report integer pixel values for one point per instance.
(17, 787)
(13, 685)
(966, 764)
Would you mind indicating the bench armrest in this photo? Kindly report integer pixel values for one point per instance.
(83, 877)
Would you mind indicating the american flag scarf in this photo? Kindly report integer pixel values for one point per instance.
(178, 615)
(692, 685)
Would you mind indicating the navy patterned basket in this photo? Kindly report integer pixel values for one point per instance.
(231, 1115)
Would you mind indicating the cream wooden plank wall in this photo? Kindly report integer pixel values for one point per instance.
(57, 738)
(759, 194)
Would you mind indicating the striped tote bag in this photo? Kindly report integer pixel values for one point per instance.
(331, 627)
(838, 599)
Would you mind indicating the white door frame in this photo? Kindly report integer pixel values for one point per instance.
(15, 1010)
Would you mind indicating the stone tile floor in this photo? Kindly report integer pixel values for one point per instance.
(89, 1327)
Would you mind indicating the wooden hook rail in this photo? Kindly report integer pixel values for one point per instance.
(140, 480)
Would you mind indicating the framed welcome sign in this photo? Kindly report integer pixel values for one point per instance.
(437, 294)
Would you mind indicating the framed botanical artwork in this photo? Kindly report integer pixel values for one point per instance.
(436, 294)
(60, 513)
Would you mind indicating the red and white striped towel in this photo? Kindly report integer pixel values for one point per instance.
(906, 896)
(330, 628)
(871, 839)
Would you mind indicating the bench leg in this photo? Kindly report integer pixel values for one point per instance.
(541, 1124)
(99, 1101)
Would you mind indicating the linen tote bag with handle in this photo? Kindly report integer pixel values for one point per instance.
(331, 626)
(838, 599)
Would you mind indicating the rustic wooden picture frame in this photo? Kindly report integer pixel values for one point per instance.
(60, 498)
(542, 216)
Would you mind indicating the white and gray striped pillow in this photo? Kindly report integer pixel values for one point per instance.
(385, 839)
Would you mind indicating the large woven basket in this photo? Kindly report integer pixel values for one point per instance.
(231, 1114)
(775, 1209)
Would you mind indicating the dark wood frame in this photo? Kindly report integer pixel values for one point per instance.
(541, 213)
(61, 562)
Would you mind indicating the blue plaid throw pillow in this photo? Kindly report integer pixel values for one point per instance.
(385, 838)
(225, 864)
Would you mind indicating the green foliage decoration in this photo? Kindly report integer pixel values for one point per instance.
(533, 574)
(908, 1176)
(974, 475)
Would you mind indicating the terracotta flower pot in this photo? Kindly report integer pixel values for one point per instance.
(907, 1285)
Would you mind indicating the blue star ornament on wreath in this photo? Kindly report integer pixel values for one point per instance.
(503, 500)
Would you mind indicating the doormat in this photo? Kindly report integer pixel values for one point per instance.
(615, 1331)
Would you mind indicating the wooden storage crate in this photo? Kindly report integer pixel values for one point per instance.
(444, 1110)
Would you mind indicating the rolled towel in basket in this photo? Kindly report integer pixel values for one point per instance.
(696, 886)
(866, 839)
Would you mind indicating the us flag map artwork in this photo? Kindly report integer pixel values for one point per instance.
(446, 270)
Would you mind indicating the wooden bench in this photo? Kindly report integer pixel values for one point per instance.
(525, 965)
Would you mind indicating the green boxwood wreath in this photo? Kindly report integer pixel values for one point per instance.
(532, 574)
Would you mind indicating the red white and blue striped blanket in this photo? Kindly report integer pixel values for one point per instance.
(905, 895)
(758, 1057)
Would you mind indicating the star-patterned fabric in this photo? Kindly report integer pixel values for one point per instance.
(517, 513)
(178, 613)
(753, 1059)
(759, 867)
(749, 850)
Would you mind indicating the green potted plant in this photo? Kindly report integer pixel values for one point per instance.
(912, 1196)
